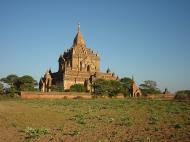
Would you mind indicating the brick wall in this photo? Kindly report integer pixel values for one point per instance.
(59, 95)
(161, 96)
(54, 95)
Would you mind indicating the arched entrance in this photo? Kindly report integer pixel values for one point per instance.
(138, 94)
(80, 66)
(88, 68)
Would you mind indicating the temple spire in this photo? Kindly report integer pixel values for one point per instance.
(78, 27)
(133, 81)
(79, 40)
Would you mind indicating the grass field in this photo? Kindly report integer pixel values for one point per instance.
(96, 120)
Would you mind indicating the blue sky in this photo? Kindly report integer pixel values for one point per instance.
(149, 39)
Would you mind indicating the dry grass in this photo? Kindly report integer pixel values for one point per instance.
(94, 120)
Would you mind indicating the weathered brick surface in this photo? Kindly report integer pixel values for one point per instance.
(60, 95)
(76, 65)
(161, 96)
(54, 95)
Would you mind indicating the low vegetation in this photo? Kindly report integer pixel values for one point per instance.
(94, 120)
(112, 88)
(35, 132)
(183, 95)
(57, 88)
(77, 88)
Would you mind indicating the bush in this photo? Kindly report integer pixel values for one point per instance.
(35, 132)
(126, 86)
(178, 126)
(77, 88)
(107, 87)
(183, 95)
(57, 88)
(12, 92)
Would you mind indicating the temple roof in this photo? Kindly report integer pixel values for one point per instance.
(79, 40)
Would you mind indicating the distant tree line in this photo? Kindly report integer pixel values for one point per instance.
(112, 88)
(17, 84)
(100, 87)
(124, 85)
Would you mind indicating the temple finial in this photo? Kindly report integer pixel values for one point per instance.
(132, 78)
(78, 27)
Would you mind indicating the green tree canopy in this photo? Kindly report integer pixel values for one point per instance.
(77, 88)
(10, 79)
(107, 87)
(149, 84)
(126, 84)
(115, 88)
(149, 87)
(25, 83)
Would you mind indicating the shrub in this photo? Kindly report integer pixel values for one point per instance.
(107, 87)
(126, 121)
(126, 86)
(178, 126)
(35, 132)
(183, 95)
(79, 119)
(153, 119)
(77, 88)
(57, 88)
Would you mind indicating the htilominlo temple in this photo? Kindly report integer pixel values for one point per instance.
(77, 65)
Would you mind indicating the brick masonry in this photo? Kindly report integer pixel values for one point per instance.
(54, 95)
(59, 95)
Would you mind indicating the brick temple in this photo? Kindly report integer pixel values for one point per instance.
(78, 65)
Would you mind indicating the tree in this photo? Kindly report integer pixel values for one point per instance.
(100, 87)
(126, 84)
(149, 87)
(77, 88)
(149, 84)
(107, 87)
(17, 84)
(10, 79)
(1, 88)
(115, 88)
(25, 83)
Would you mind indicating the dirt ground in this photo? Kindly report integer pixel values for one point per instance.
(96, 120)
